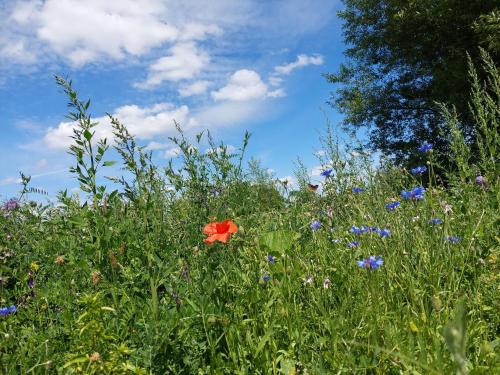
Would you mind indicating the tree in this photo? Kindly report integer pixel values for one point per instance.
(403, 56)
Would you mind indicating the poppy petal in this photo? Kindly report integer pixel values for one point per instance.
(232, 227)
(210, 228)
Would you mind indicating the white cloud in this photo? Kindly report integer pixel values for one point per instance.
(278, 93)
(153, 146)
(195, 88)
(144, 123)
(289, 181)
(172, 152)
(230, 113)
(243, 85)
(185, 61)
(302, 60)
(316, 171)
(84, 32)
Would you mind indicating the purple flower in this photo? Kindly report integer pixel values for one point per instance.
(327, 172)
(11, 205)
(425, 147)
(435, 221)
(392, 206)
(266, 278)
(271, 259)
(482, 181)
(353, 244)
(371, 262)
(452, 239)
(8, 310)
(418, 170)
(357, 190)
(315, 225)
(356, 230)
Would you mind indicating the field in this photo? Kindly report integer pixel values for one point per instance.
(380, 270)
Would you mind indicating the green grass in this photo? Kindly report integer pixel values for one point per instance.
(126, 274)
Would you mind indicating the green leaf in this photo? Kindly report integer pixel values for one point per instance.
(108, 163)
(279, 241)
(88, 135)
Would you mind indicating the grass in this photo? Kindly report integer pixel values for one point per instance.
(122, 282)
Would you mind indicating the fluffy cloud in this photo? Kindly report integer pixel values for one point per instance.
(302, 60)
(243, 85)
(144, 123)
(184, 61)
(195, 88)
(87, 31)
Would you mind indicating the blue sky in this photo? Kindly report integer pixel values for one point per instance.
(227, 67)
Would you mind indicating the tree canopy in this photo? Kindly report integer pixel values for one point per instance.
(403, 57)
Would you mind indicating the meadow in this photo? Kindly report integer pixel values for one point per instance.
(210, 265)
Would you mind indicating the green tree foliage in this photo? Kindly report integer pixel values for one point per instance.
(403, 57)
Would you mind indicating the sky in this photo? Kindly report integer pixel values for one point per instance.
(227, 67)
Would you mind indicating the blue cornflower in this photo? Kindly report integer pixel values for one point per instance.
(357, 190)
(371, 262)
(418, 170)
(436, 221)
(327, 172)
(417, 193)
(271, 259)
(266, 278)
(315, 225)
(392, 206)
(452, 239)
(425, 147)
(384, 232)
(353, 244)
(356, 230)
(8, 310)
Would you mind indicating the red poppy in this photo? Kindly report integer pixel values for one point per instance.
(219, 231)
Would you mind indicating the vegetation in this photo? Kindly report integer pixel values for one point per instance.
(376, 272)
(403, 56)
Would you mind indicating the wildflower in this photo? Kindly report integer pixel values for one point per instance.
(425, 147)
(327, 172)
(326, 283)
(356, 230)
(393, 205)
(95, 357)
(435, 221)
(315, 225)
(60, 259)
(336, 240)
(353, 244)
(415, 218)
(271, 259)
(418, 170)
(219, 231)
(266, 278)
(482, 181)
(308, 279)
(447, 208)
(417, 193)
(11, 205)
(371, 262)
(452, 239)
(384, 232)
(8, 310)
(357, 190)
